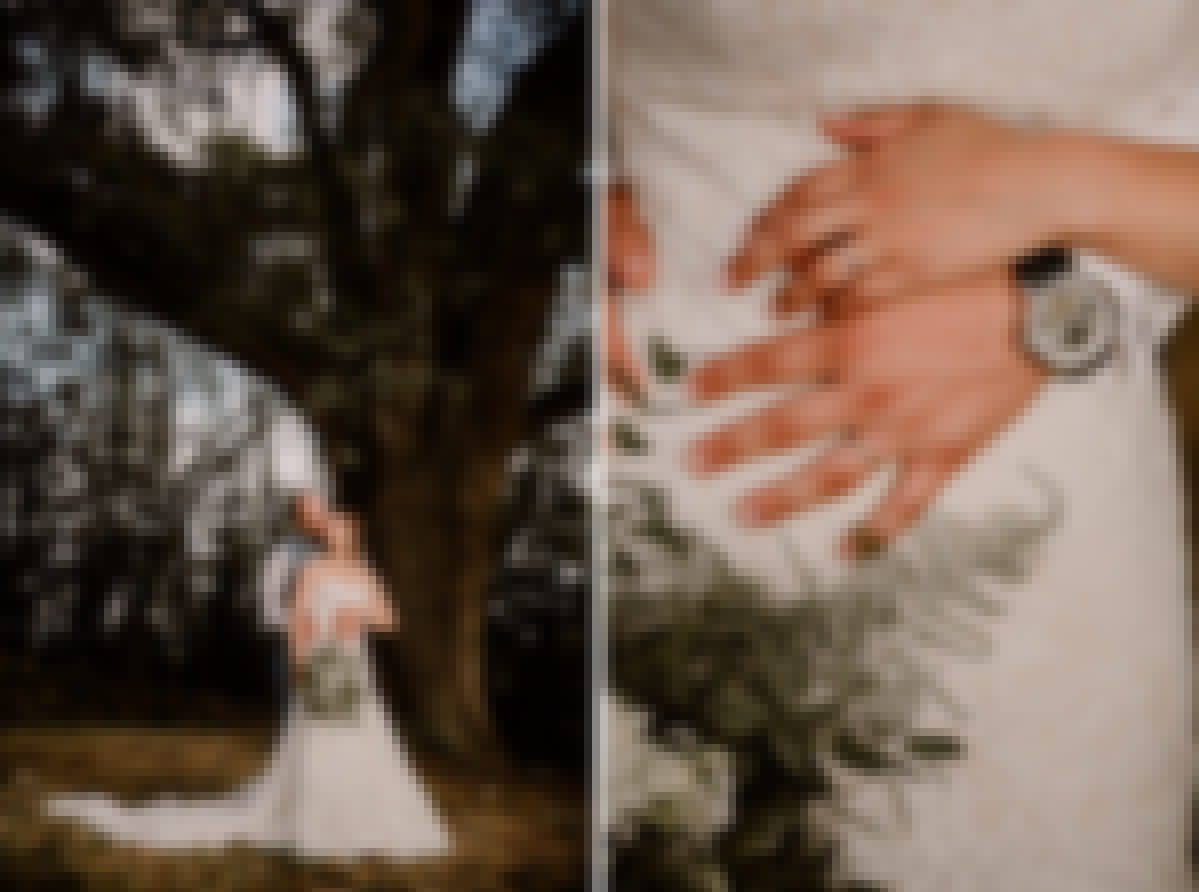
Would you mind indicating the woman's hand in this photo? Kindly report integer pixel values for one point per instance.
(628, 266)
(923, 383)
(927, 194)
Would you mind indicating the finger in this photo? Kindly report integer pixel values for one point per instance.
(795, 296)
(629, 260)
(842, 266)
(867, 128)
(782, 426)
(824, 184)
(622, 371)
(628, 247)
(917, 484)
(796, 357)
(897, 423)
(841, 470)
(883, 283)
(764, 248)
(632, 269)
(795, 231)
(815, 227)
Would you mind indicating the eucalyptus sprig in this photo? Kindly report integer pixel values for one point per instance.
(328, 683)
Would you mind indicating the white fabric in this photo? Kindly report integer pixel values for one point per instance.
(332, 789)
(295, 461)
(1078, 769)
(331, 597)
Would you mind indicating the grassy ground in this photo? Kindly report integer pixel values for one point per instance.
(515, 835)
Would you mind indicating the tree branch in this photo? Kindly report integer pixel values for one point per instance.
(151, 237)
(350, 273)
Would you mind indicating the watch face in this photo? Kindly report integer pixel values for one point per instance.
(1072, 324)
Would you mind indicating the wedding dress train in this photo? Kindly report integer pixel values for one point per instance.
(1076, 773)
(333, 788)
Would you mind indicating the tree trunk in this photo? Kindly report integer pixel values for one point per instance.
(434, 507)
(416, 545)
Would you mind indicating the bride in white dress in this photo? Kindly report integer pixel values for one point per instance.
(338, 784)
(1077, 768)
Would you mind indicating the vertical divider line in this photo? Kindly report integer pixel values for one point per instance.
(598, 170)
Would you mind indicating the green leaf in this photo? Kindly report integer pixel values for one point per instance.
(628, 439)
(736, 711)
(678, 544)
(935, 747)
(668, 364)
(859, 755)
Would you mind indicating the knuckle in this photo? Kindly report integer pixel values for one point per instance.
(883, 199)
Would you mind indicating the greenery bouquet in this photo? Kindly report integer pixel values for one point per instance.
(328, 683)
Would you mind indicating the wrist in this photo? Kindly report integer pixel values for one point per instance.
(1086, 177)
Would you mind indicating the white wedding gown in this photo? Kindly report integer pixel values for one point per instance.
(1077, 770)
(332, 789)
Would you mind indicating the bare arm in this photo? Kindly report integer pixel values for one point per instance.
(1137, 204)
(929, 194)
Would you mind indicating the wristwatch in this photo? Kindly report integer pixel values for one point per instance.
(1071, 319)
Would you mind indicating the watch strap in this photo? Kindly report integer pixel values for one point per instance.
(1038, 269)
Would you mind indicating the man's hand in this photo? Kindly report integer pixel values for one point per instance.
(922, 383)
(928, 194)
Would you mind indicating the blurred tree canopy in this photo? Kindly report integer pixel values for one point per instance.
(399, 309)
